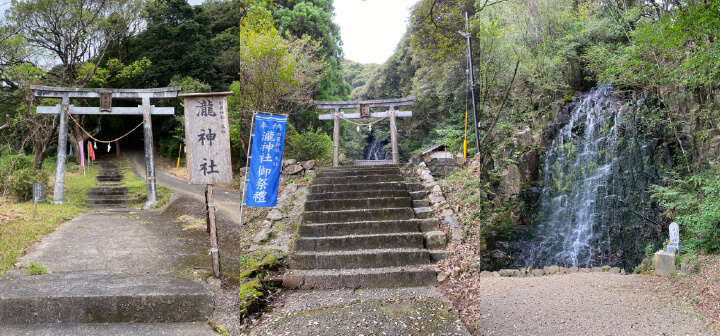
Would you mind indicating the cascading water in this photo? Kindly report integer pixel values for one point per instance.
(375, 151)
(594, 171)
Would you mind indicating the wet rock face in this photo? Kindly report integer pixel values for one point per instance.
(591, 207)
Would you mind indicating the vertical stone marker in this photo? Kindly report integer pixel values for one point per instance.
(207, 142)
(207, 138)
(674, 244)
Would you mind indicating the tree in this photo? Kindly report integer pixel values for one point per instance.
(314, 18)
(177, 41)
(73, 32)
(276, 75)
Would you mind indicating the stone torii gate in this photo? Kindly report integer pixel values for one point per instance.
(363, 107)
(105, 96)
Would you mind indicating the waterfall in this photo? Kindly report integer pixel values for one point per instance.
(375, 151)
(579, 166)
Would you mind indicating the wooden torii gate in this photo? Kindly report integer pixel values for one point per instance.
(105, 96)
(363, 111)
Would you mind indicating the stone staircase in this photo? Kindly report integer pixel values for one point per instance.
(109, 194)
(360, 230)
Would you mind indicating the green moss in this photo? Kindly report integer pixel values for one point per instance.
(271, 261)
(250, 295)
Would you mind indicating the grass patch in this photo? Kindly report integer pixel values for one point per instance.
(35, 269)
(18, 229)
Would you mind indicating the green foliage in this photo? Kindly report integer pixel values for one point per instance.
(308, 145)
(694, 200)
(35, 269)
(17, 175)
(177, 41)
(650, 250)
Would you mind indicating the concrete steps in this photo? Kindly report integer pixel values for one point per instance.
(360, 278)
(110, 194)
(367, 227)
(359, 230)
(95, 297)
(359, 259)
(355, 242)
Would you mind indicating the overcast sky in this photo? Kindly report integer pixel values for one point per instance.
(370, 29)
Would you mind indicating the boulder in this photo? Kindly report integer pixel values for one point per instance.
(435, 240)
(293, 169)
(309, 164)
(529, 164)
(451, 221)
(614, 270)
(275, 215)
(597, 269)
(507, 272)
(446, 213)
(510, 180)
(553, 269)
(664, 263)
(288, 162)
(538, 272)
(524, 138)
(585, 270)
(442, 276)
(605, 268)
(436, 189)
(573, 269)
(486, 274)
(436, 198)
(262, 236)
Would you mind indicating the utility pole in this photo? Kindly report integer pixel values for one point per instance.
(466, 33)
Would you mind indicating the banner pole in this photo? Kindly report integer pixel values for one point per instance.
(247, 166)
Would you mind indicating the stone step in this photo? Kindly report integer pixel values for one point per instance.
(368, 227)
(357, 179)
(333, 188)
(110, 183)
(124, 202)
(111, 194)
(351, 204)
(357, 215)
(418, 195)
(407, 276)
(424, 212)
(97, 207)
(354, 242)
(95, 297)
(357, 194)
(109, 178)
(359, 168)
(114, 329)
(359, 259)
(412, 187)
(357, 172)
(420, 203)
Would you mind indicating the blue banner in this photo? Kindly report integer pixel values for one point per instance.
(265, 160)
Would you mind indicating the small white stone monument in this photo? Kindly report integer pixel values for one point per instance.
(674, 244)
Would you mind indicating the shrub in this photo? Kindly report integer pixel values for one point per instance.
(695, 200)
(308, 145)
(17, 176)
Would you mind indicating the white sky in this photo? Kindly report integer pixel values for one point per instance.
(370, 29)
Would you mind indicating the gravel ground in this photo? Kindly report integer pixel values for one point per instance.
(580, 304)
(383, 311)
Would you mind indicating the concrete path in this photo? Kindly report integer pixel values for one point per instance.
(226, 200)
(108, 267)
